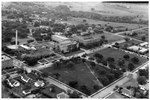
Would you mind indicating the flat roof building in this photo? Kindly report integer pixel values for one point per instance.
(64, 44)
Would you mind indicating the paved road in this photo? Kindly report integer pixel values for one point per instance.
(105, 92)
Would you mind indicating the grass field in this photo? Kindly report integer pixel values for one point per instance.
(80, 73)
(116, 54)
(140, 34)
(114, 24)
(129, 43)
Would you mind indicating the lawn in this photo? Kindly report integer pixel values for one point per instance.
(80, 73)
(129, 43)
(133, 82)
(115, 95)
(117, 54)
(140, 34)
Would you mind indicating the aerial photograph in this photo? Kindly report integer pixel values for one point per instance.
(84, 50)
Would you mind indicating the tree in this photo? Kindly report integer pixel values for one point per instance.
(112, 66)
(127, 39)
(135, 60)
(57, 65)
(97, 55)
(74, 95)
(73, 84)
(84, 20)
(56, 75)
(102, 72)
(93, 64)
(83, 60)
(110, 59)
(143, 72)
(103, 37)
(85, 90)
(117, 73)
(70, 64)
(142, 80)
(104, 62)
(29, 41)
(131, 66)
(143, 38)
(121, 62)
(96, 87)
(126, 57)
(110, 76)
(104, 80)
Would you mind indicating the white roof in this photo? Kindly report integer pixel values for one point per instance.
(143, 50)
(24, 46)
(144, 43)
(4, 57)
(134, 48)
(12, 47)
(59, 38)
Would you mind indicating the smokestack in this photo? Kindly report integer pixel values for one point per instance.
(16, 38)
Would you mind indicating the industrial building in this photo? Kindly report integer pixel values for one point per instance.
(64, 44)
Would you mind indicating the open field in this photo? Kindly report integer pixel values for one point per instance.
(80, 73)
(116, 54)
(76, 21)
(107, 9)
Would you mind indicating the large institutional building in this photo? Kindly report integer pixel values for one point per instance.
(64, 44)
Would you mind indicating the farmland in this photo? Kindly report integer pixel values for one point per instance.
(76, 21)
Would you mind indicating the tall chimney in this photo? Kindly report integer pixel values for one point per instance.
(16, 38)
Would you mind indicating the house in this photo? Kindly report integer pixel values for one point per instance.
(39, 83)
(13, 83)
(62, 95)
(126, 92)
(26, 92)
(25, 78)
(144, 44)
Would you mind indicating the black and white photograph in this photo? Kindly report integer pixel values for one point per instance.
(75, 49)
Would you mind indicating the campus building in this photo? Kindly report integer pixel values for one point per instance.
(64, 44)
(6, 61)
(138, 49)
(86, 39)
